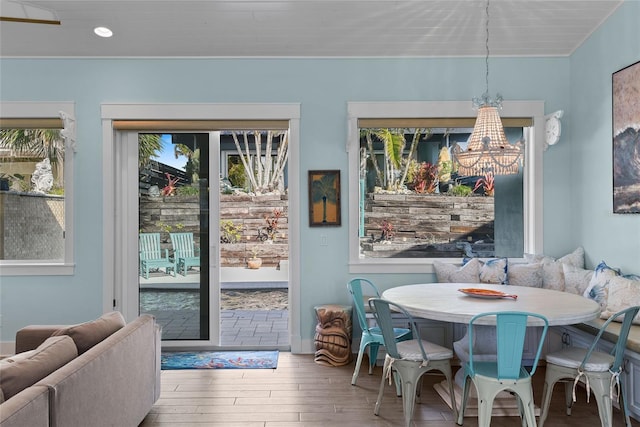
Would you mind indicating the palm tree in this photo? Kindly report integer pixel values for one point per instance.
(149, 145)
(262, 169)
(324, 189)
(192, 168)
(37, 143)
(396, 164)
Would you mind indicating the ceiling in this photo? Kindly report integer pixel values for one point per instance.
(305, 28)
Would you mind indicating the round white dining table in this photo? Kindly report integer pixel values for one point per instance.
(444, 302)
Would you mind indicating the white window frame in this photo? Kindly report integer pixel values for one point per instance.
(44, 110)
(532, 180)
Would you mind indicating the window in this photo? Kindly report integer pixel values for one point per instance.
(381, 206)
(37, 141)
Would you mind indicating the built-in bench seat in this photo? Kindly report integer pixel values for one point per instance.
(611, 334)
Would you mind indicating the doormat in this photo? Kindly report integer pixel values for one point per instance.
(219, 360)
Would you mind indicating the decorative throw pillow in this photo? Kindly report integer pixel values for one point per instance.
(494, 271)
(525, 275)
(598, 288)
(453, 273)
(552, 269)
(624, 292)
(88, 334)
(22, 371)
(576, 279)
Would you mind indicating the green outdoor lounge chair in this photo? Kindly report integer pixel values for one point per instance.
(185, 253)
(152, 256)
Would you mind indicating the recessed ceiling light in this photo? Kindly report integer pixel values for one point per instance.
(103, 31)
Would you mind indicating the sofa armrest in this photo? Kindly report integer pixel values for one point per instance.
(30, 408)
(30, 337)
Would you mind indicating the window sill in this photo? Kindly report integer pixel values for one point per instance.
(37, 269)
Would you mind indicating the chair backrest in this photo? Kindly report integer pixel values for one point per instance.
(183, 245)
(361, 289)
(382, 310)
(149, 246)
(511, 327)
(619, 349)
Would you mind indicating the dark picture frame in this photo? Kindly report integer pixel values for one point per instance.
(324, 198)
(625, 85)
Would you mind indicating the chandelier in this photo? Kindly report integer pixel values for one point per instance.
(488, 150)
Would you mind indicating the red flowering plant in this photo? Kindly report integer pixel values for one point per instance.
(487, 183)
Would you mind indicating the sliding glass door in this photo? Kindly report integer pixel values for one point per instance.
(173, 239)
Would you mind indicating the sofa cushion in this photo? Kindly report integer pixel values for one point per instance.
(88, 334)
(598, 289)
(22, 371)
(525, 275)
(576, 279)
(552, 269)
(494, 271)
(624, 292)
(453, 273)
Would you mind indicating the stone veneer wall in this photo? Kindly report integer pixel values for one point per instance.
(426, 225)
(31, 226)
(244, 210)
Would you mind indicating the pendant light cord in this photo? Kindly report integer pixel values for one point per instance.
(487, 48)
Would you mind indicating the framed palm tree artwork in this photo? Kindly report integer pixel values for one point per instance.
(324, 198)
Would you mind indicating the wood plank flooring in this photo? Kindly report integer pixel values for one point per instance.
(302, 393)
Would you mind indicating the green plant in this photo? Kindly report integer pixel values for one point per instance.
(164, 227)
(179, 226)
(57, 191)
(254, 252)
(230, 232)
(237, 175)
(460, 190)
(188, 190)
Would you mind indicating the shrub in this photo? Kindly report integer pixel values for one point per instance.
(460, 190)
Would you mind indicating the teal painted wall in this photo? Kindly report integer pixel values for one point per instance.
(323, 87)
(613, 238)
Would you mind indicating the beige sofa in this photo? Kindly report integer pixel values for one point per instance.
(112, 383)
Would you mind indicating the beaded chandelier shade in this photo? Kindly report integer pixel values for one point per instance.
(488, 149)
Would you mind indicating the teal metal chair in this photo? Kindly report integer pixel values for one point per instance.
(599, 371)
(409, 359)
(185, 252)
(152, 256)
(507, 372)
(361, 290)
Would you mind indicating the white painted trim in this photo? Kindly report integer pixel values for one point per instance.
(532, 180)
(66, 266)
(112, 283)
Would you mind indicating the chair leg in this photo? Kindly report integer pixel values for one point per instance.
(408, 399)
(568, 396)
(547, 391)
(363, 348)
(485, 406)
(463, 401)
(527, 409)
(600, 387)
(385, 372)
(624, 408)
(373, 355)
